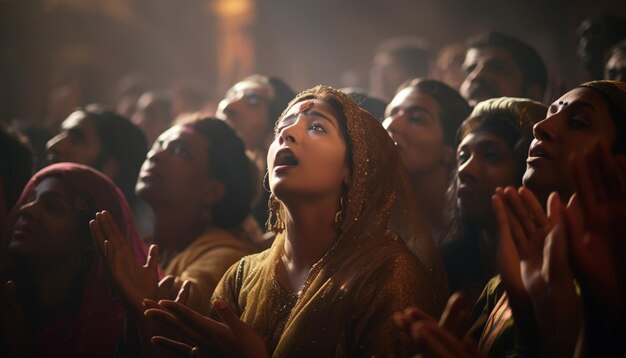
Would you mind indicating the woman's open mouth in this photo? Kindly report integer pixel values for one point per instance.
(285, 159)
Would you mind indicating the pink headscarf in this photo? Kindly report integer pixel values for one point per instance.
(98, 323)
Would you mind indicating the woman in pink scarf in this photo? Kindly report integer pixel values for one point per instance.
(59, 302)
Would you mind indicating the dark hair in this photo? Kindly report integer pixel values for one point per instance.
(410, 52)
(601, 33)
(121, 141)
(526, 57)
(160, 104)
(511, 119)
(16, 165)
(619, 47)
(229, 164)
(375, 106)
(614, 93)
(618, 115)
(453, 108)
(282, 95)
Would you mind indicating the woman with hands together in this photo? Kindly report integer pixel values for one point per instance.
(541, 254)
(339, 266)
(59, 282)
(533, 269)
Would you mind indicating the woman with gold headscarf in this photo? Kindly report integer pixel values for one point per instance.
(339, 266)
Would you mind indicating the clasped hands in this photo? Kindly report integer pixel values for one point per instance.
(541, 256)
(168, 322)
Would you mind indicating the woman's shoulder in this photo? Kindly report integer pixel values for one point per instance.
(249, 263)
(396, 259)
(397, 274)
(218, 238)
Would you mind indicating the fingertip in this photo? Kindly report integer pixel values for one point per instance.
(396, 317)
(418, 330)
(219, 304)
(459, 297)
(166, 303)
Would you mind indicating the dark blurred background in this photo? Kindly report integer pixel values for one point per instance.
(57, 53)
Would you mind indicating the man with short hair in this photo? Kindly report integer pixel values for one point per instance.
(498, 65)
(109, 142)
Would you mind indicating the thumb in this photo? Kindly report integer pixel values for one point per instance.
(152, 261)
(455, 316)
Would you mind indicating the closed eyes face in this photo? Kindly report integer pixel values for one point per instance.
(575, 120)
(308, 153)
(572, 124)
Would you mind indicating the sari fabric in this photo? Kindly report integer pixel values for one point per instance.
(204, 262)
(349, 295)
(94, 327)
(493, 326)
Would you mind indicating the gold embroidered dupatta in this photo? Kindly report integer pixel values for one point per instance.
(347, 300)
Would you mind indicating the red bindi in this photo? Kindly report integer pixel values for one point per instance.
(305, 106)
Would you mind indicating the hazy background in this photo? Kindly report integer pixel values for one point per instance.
(89, 45)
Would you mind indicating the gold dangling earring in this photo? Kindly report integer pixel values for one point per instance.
(275, 222)
(339, 215)
(265, 184)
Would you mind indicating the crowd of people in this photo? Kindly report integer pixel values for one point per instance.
(467, 210)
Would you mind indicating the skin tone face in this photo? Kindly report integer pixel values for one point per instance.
(176, 171)
(308, 155)
(246, 108)
(573, 122)
(490, 72)
(615, 68)
(412, 121)
(78, 141)
(449, 65)
(47, 225)
(485, 162)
